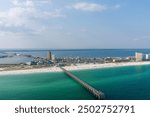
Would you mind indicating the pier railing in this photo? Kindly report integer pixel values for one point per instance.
(98, 94)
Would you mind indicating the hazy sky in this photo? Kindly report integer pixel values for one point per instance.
(74, 23)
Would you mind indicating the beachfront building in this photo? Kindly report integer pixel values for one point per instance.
(146, 57)
(49, 55)
(53, 57)
(139, 56)
(142, 57)
(121, 59)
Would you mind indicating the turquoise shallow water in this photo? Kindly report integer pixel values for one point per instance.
(120, 83)
(45, 86)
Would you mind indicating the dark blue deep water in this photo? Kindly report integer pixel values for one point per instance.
(80, 52)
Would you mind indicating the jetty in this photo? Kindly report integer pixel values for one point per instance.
(97, 94)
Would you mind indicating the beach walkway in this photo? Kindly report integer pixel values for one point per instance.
(98, 94)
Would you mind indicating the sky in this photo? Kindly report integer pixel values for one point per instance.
(74, 24)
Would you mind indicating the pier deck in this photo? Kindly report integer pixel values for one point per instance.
(98, 94)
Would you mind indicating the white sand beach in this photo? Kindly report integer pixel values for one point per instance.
(106, 65)
(72, 67)
(29, 71)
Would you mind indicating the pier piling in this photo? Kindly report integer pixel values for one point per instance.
(98, 94)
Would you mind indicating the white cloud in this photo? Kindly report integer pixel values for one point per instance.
(24, 3)
(17, 16)
(56, 13)
(27, 14)
(29, 2)
(11, 34)
(44, 1)
(92, 7)
(89, 7)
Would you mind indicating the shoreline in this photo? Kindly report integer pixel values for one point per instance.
(72, 68)
(105, 65)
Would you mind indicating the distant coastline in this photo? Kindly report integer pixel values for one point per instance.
(72, 67)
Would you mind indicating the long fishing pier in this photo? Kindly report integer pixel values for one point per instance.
(98, 94)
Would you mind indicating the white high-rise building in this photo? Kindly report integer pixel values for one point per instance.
(147, 57)
(53, 57)
(139, 56)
